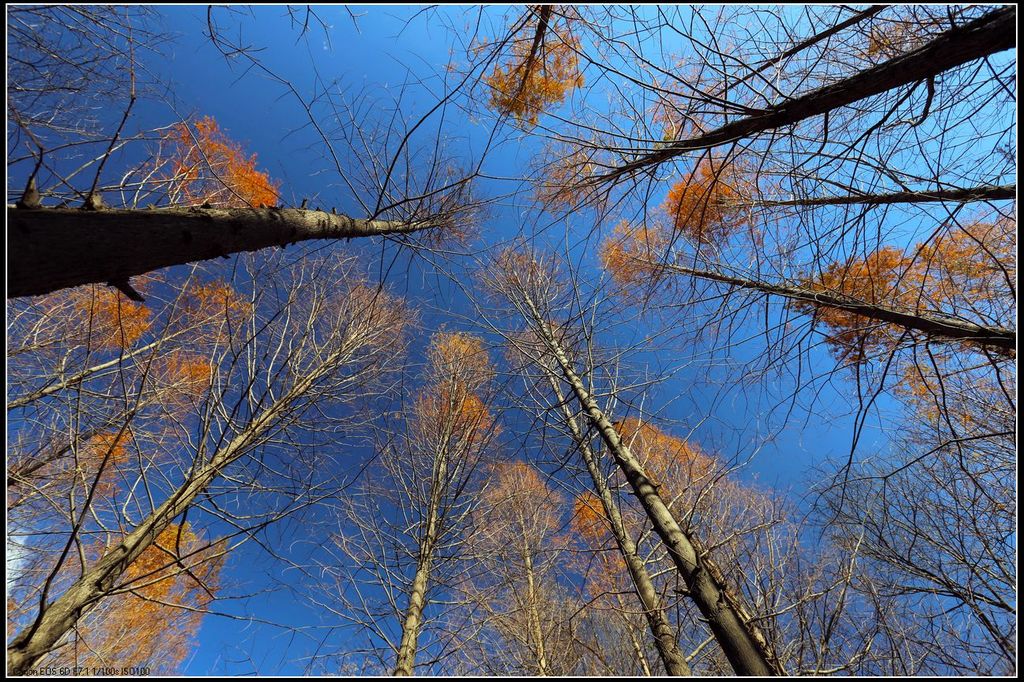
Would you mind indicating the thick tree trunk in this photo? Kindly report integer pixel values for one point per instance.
(654, 611)
(741, 640)
(931, 324)
(989, 34)
(54, 248)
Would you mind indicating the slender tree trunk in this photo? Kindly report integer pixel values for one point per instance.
(654, 611)
(989, 34)
(744, 645)
(929, 323)
(638, 647)
(533, 614)
(54, 248)
(406, 662)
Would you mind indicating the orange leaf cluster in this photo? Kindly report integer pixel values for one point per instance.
(459, 359)
(113, 320)
(964, 273)
(209, 168)
(560, 186)
(459, 368)
(630, 255)
(154, 624)
(589, 519)
(706, 204)
(662, 456)
(184, 377)
(531, 81)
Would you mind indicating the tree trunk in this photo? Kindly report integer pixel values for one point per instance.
(931, 324)
(54, 248)
(406, 661)
(744, 645)
(990, 193)
(536, 629)
(991, 33)
(654, 611)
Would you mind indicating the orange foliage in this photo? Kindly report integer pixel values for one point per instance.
(663, 456)
(608, 575)
(213, 308)
(589, 519)
(965, 273)
(152, 625)
(529, 82)
(113, 320)
(209, 168)
(893, 38)
(457, 358)
(184, 377)
(520, 505)
(706, 204)
(630, 255)
(459, 368)
(108, 450)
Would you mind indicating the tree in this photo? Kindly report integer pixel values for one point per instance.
(152, 623)
(331, 346)
(53, 247)
(517, 593)
(532, 289)
(596, 513)
(400, 546)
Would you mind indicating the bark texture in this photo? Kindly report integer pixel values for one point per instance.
(54, 248)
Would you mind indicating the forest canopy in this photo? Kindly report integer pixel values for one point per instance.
(511, 340)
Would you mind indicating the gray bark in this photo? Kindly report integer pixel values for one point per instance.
(654, 611)
(741, 640)
(54, 248)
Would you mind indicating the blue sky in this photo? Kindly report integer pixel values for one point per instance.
(376, 55)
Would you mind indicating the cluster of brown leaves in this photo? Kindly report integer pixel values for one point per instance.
(967, 273)
(536, 76)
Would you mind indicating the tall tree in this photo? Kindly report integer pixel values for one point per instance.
(532, 289)
(204, 199)
(399, 552)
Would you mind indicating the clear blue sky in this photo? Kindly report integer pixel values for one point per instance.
(375, 52)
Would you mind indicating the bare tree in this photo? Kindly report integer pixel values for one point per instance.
(399, 554)
(295, 350)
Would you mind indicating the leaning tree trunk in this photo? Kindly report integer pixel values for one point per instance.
(934, 325)
(986, 35)
(744, 645)
(654, 610)
(961, 195)
(54, 248)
